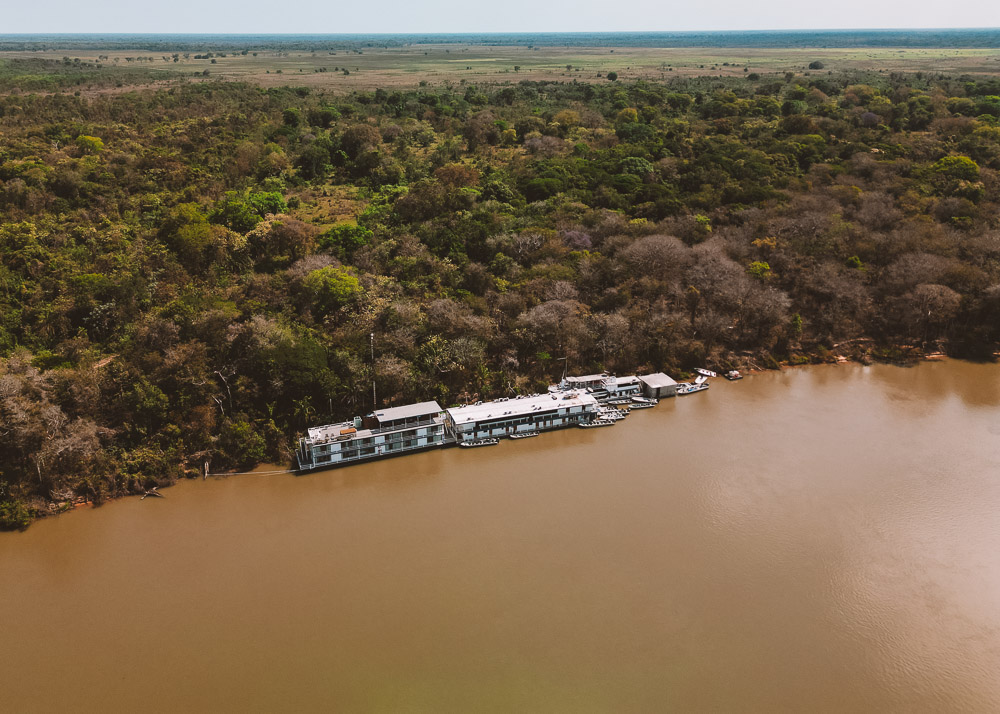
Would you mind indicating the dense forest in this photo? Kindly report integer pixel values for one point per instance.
(193, 272)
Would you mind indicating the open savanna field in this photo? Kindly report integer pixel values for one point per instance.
(408, 66)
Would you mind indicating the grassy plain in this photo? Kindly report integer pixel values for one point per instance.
(407, 66)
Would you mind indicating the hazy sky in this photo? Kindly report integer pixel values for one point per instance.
(320, 16)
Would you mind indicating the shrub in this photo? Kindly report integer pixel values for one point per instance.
(342, 240)
(14, 515)
(331, 287)
(89, 144)
(241, 212)
(960, 168)
(760, 269)
(242, 444)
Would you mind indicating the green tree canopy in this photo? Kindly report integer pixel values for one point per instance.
(332, 287)
(242, 211)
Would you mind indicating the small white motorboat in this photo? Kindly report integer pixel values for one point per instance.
(524, 435)
(478, 442)
(596, 423)
(706, 372)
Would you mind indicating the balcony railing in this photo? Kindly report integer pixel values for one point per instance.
(383, 430)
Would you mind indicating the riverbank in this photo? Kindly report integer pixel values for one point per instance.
(862, 351)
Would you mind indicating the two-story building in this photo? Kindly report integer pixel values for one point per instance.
(602, 386)
(386, 432)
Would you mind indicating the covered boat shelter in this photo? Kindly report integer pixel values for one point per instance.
(658, 385)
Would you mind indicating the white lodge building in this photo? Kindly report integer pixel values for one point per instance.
(517, 415)
(386, 432)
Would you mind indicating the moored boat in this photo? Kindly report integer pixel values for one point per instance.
(596, 423)
(706, 372)
(524, 435)
(688, 388)
(732, 375)
(642, 405)
(478, 442)
(611, 415)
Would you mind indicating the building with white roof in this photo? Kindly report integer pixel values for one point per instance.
(517, 415)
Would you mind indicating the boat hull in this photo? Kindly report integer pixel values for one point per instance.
(478, 442)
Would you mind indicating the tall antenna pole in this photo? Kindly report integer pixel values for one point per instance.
(374, 399)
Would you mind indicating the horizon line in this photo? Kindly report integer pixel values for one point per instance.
(497, 32)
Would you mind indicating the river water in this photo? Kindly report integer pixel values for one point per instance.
(819, 539)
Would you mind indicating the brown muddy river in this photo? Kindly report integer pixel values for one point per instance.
(822, 539)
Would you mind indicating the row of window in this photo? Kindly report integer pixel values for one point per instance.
(370, 441)
(499, 427)
(537, 419)
(349, 454)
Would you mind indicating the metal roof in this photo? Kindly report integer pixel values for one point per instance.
(408, 411)
(329, 432)
(659, 379)
(525, 406)
(631, 379)
(587, 378)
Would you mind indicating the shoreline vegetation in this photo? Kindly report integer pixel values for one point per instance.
(191, 271)
(902, 356)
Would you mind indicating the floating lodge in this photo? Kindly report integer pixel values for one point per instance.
(575, 401)
(389, 431)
